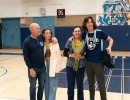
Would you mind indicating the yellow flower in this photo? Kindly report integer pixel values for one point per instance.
(77, 42)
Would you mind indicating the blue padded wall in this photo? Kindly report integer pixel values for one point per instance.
(62, 34)
(24, 32)
(120, 35)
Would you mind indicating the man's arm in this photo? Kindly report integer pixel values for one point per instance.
(26, 52)
(27, 59)
(54, 40)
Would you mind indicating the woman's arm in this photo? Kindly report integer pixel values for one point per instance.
(65, 52)
(110, 40)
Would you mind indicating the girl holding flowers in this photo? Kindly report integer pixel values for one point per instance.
(74, 51)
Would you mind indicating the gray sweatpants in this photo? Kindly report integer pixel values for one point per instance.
(92, 70)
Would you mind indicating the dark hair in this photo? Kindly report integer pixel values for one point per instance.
(76, 27)
(44, 32)
(86, 20)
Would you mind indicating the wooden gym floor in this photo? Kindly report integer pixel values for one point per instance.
(14, 84)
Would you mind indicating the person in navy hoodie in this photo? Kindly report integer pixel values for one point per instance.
(94, 65)
(33, 53)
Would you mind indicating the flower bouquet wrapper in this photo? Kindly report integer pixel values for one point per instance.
(77, 46)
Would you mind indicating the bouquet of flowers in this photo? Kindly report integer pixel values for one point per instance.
(77, 46)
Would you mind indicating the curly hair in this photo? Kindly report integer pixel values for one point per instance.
(85, 21)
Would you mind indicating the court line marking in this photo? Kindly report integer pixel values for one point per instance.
(12, 79)
(4, 72)
(18, 69)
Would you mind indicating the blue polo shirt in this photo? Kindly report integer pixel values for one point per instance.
(95, 54)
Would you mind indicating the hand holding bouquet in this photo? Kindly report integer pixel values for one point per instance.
(77, 46)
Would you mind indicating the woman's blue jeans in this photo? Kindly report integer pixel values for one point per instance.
(51, 84)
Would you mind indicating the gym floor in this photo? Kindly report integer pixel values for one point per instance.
(14, 84)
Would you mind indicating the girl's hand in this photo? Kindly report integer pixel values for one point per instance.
(108, 50)
(72, 55)
(80, 57)
(71, 38)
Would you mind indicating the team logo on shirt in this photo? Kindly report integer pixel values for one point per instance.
(41, 43)
(91, 41)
